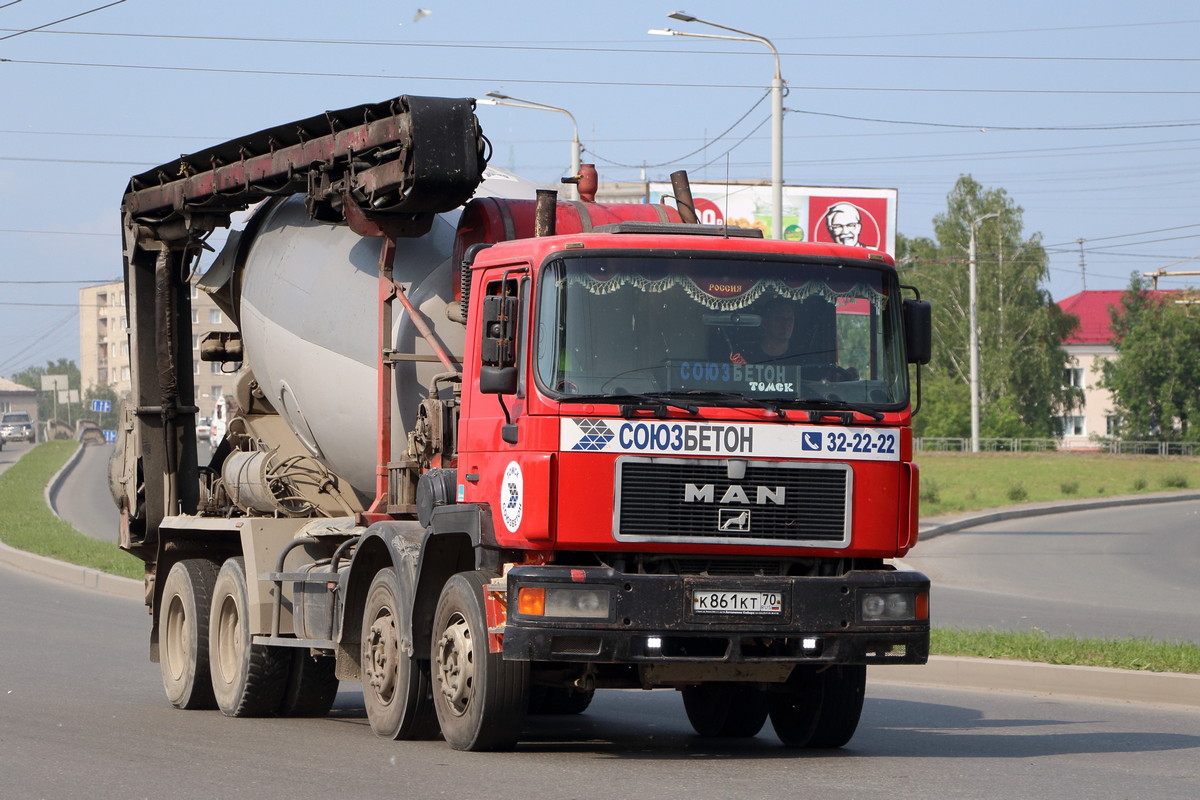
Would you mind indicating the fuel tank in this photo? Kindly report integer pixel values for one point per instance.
(308, 314)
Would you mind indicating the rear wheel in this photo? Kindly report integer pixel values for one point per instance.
(396, 686)
(730, 710)
(480, 698)
(312, 685)
(249, 680)
(183, 633)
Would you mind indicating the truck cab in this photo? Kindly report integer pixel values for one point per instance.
(698, 496)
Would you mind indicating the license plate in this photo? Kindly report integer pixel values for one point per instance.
(736, 602)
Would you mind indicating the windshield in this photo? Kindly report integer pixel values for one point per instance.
(730, 328)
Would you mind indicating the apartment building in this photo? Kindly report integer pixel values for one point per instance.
(1087, 350)
(104, 343)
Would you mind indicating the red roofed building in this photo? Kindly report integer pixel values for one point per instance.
(1087, 348)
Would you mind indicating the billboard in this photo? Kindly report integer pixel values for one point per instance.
(826, 214)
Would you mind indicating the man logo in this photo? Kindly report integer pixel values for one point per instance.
(732, 519)
(759, 495)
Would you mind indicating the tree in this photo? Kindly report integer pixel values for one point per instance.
(1021, 329)
(47, 402)
(1155, 379)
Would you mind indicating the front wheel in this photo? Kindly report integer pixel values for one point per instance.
(841, 705)
(481, 699)
(819, 709)
(249, 680)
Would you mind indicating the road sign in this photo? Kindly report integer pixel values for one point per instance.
(102, 406)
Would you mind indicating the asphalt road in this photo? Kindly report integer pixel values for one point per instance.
(1115, 572)
(84, 499)
(82, 714)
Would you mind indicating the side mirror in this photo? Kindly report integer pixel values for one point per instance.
(918, 331)
(498, 380)
(499, 346)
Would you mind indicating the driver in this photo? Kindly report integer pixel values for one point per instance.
(775, 346)
(774, 336)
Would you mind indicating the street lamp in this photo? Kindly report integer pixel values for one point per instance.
(974, 332)
(498, 99)
(776, 105)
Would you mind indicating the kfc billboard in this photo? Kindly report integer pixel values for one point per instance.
(828, 214)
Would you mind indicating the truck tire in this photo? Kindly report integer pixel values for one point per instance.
(249, 680)
(820, 709)
(311, 687)
(730, 710)
(397, 690)
(841, 705)
(795, 709)
(183, 634)
(481, 699)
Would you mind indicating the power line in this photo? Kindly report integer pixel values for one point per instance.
(64, 19)
(985, 127)
(628, 84)
(700, 149)
(52, 233)
(583, 47)
(1126, 235)
(47, 283)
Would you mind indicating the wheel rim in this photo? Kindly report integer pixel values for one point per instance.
(229, 640)
(381, 651)
(456, 665)
(176, 633)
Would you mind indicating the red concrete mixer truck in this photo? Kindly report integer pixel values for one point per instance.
(489, 451)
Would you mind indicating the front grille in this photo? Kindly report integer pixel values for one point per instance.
(695, 500)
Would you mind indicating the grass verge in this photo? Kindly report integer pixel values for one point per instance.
(28, 524)
(952, 482)
(1132, 654)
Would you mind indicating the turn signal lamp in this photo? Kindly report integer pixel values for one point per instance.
(565, 602)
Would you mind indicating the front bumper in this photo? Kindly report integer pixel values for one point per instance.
(652, 619)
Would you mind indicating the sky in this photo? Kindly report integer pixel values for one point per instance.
(1087, 112)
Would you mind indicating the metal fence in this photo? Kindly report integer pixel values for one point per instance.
(963, 445)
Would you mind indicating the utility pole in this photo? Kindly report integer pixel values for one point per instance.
(974, 323)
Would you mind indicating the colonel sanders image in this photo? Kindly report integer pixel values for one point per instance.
(844, 223)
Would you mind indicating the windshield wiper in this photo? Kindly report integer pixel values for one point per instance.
(657, 400)
(816, 407)
(738, 400)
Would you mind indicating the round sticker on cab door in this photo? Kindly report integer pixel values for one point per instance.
(512, 492)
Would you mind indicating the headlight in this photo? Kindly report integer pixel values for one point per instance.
(893, 606)
(569, 602)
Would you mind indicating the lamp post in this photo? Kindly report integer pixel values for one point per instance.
(498, 99)
(971, 277)
(776, 105)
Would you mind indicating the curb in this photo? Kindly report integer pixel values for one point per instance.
(937, 526)
(1097, 683)
(50, 493)
(72, 574)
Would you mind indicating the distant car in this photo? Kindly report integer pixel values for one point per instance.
(203, 429)
(18, 426)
